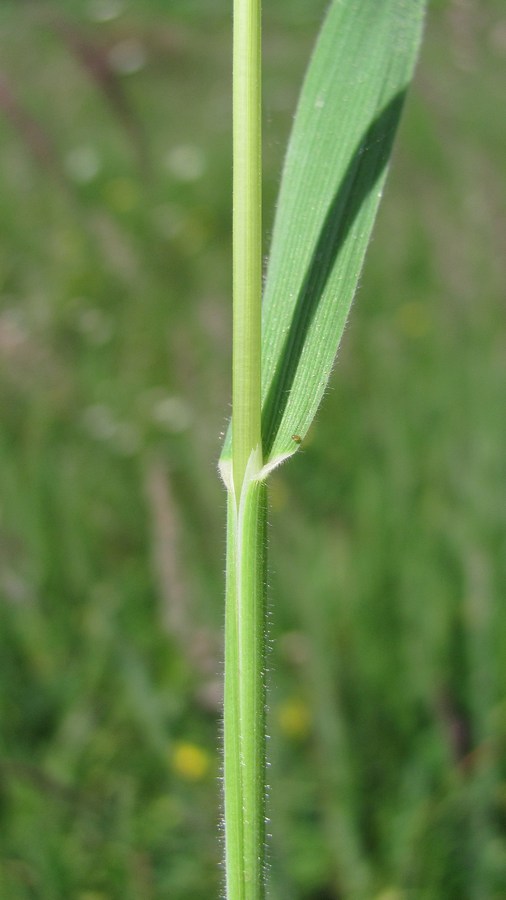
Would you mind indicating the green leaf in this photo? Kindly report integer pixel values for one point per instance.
(332, 182)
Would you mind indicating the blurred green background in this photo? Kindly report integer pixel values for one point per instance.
(387, 683)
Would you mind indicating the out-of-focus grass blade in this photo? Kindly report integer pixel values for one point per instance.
(95, 63)
(29, 129)
(331, 187)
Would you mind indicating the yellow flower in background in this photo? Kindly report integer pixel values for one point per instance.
(190, 761)
(294, 718)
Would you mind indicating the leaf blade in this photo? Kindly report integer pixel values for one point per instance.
(316, 265)
(332, 181)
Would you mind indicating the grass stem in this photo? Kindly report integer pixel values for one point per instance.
(244, 708)
(247, 235)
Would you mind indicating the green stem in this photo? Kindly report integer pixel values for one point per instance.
(247, 236)
(244, 720)
(244, 713)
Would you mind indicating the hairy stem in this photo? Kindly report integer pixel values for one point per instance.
(244, 713)
(244, 727)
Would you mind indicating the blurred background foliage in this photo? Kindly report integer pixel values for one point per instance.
(387, 709)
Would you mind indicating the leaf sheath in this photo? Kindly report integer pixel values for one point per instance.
(244, 715)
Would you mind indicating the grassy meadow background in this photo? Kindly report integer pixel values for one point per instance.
(387, 684)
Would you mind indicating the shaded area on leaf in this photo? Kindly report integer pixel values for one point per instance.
(364, 169)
